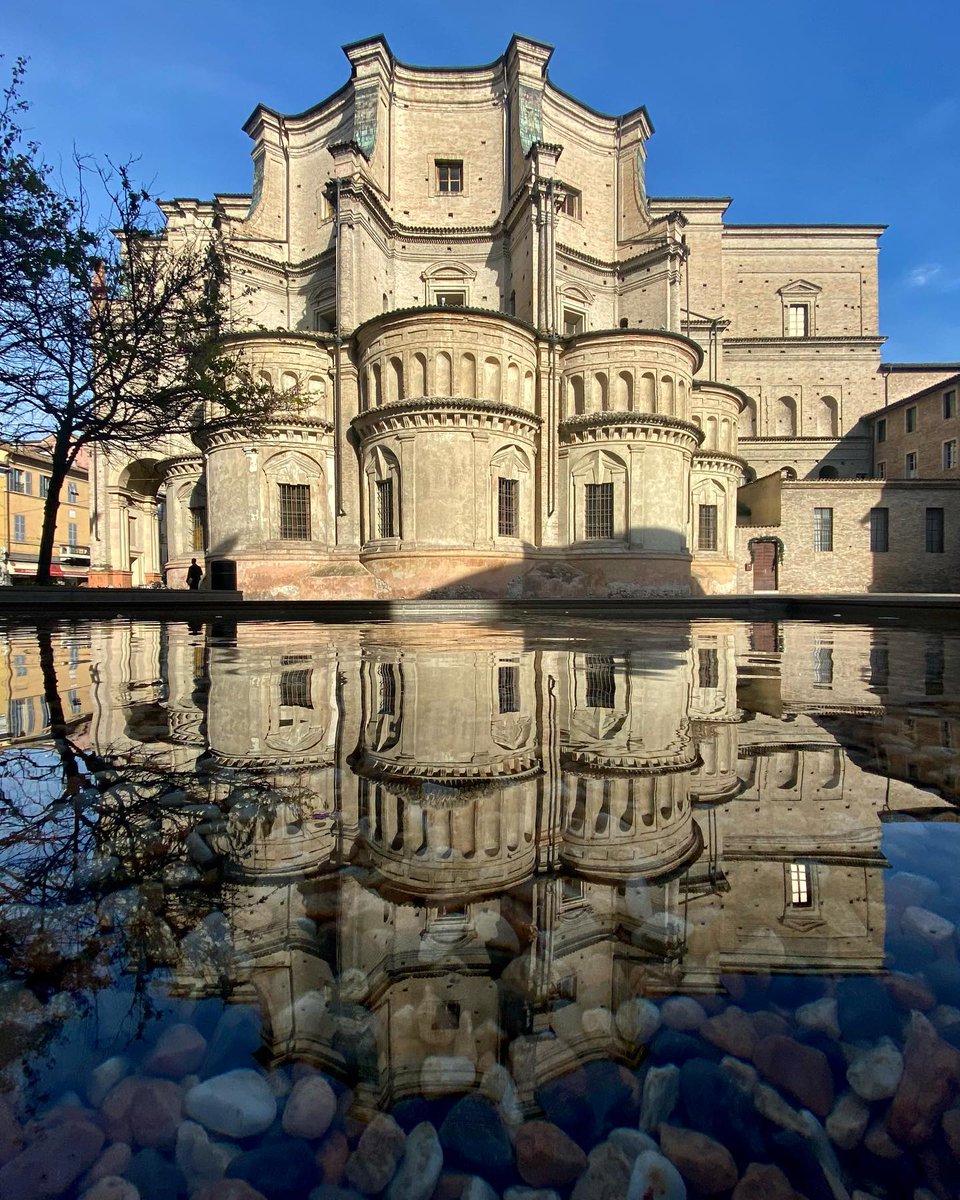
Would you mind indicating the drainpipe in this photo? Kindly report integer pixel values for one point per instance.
(337, 351)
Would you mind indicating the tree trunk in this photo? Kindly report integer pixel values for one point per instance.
(60, 464)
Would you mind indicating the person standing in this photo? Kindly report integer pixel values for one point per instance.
(194, 575)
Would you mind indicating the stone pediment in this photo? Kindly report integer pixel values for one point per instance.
(800, 287)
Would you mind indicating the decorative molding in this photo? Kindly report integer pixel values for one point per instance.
(444, 412)
(610, 426)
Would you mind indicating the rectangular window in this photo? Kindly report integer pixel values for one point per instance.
(910, 465)
(949, 404)
(881, 471)
(882, 429)
(599, 515)
(450, 176)
(19, 528)
(707, 527)
(800, 893)
(879, 667)
(198, 528)
(601, 683)
(44, 484)
(385, 526)
(708, 668)
(879, 530)
(451, 299)
(572, 323)
(934, 530)
(73, 493)
(295, 511)
(798, 320)
(72, 535)
(570, 205)
(823, 529)
(18, 481)
(910, 419)
(950, 454)
(822, 666)
(295, 689)
(933, 664)
(508, 689)
(508, 491)
(386, 689)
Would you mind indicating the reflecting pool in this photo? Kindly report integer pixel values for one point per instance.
(462, 911)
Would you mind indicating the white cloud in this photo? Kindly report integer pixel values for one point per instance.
(924, 274)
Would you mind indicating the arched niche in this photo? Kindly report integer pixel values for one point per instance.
(784, 417)
(748, 419)
(826, 417)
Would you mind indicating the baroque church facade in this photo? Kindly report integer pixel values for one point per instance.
(515, 372)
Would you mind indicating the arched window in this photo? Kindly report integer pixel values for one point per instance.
(828, 473)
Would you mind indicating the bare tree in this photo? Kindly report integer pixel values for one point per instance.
(109, 334)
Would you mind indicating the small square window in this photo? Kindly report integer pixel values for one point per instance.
(950, 454)
(572, 322)
(882, 430)
(910, 465)
(949, 404)
(910, 419)
(449, 176)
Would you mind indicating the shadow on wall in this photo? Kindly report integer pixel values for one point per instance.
(625, 570)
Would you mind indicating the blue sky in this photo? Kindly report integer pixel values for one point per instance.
(834, 112)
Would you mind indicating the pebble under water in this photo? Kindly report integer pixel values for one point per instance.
(462, 912)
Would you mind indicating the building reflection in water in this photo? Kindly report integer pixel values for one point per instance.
(437, 860)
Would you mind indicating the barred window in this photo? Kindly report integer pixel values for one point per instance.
(508, 689)
(599, 515)
(295, 511)
(709, 668)
(198, 534)
(879, 530)
(823, 529)
(707, 527)
(934, 530)
(386, 689)
(508, 494)
(950, 454)
(295, 689)
(385, 524)
(601, 684)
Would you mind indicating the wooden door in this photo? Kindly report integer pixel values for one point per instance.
(765, 567)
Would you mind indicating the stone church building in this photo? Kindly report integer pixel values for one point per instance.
(512, 371)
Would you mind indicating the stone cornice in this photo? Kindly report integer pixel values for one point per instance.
(729, 464)
(593, 765)
(870, 341)
(294, 428)
(444, 411)
(184, 466)
(446, 312)
(610, 426)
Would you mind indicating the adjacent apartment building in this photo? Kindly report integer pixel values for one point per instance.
(513, 372)
(25, 467)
